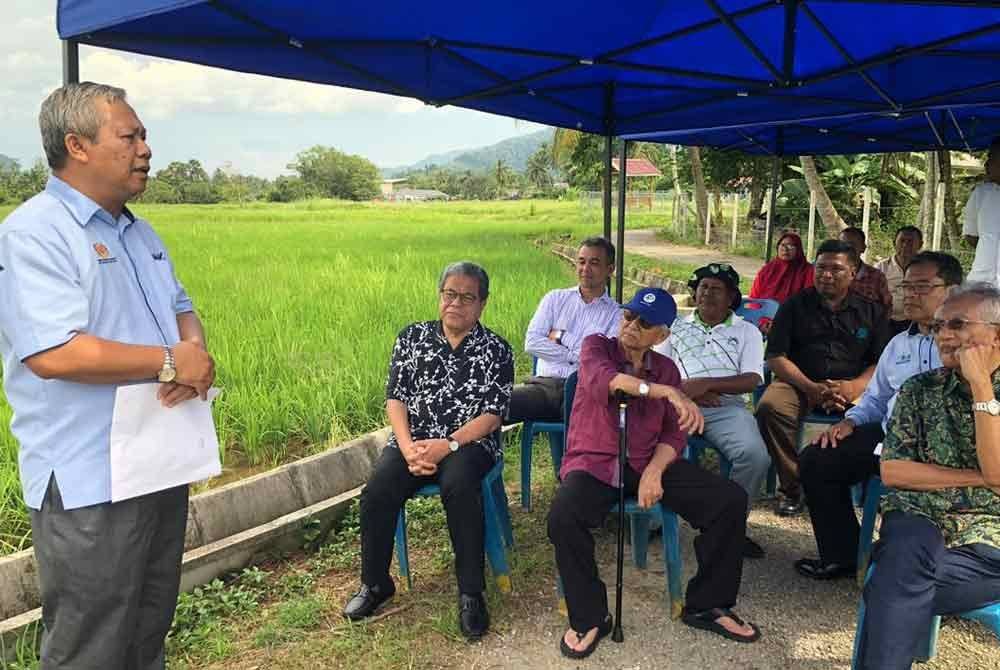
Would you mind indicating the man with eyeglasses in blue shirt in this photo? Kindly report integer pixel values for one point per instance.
(848, 453)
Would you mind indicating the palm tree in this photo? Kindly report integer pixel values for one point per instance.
(563, 142)
(700, 193)
(827, 212)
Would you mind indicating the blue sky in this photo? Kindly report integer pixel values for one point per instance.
(256, 123)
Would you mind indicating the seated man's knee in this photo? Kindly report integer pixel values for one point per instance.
(734, 498)
(910, 539)
(809, 462)
(562, 516)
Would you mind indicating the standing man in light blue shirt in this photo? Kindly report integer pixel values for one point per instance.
(89, 301)
(563, 319)
(848, 452)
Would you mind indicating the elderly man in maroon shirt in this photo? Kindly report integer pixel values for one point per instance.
(659, 415)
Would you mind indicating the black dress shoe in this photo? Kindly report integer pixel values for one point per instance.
(473, 618)
(816, 569)
(751, 549)
(791, 507)
(368, 599)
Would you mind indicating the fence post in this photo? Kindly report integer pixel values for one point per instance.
(938, 217)
(674, 211)
(811, 242)
(708, 223)
(768, 221)
(866, 218)
(684, 214)
(736, 218)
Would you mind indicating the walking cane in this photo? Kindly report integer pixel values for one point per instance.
(620, 396)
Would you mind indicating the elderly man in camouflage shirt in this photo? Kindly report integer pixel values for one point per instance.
(939, 551)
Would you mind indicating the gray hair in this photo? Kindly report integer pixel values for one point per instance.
(72, 109)
(988, 295)
(468, 269)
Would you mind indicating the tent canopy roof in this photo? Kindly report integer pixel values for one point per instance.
(679, 71)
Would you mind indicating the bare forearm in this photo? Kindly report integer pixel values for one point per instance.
(399, 420)
(987, 437)
(789, 372)
(91, 360)
(478, 428)
(663, 456)
(913, 476)
(744, 383)
(191, 329)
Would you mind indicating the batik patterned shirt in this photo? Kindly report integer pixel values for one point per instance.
(445, 388)
(932, 422)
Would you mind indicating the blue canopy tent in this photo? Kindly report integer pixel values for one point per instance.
(754, 75)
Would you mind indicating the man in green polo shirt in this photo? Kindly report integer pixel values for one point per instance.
(939, 551)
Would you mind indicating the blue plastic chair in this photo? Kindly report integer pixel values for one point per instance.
(498, 531)
(989, 616)
(639, 522)
(529, 429)
(756, 310)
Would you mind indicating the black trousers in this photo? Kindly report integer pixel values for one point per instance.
(715, 506)
(109, 576)
(827, 476)
(537, 399)
(460, 477)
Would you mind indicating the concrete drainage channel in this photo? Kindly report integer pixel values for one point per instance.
(228, 527)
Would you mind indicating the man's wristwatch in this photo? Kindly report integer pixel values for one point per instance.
(991, 407)
(168, 373)
(643, 389)
(559, 336)
(453, 444)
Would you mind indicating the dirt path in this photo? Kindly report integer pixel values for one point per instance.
(646, 243)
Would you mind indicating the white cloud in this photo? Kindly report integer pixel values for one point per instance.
(162, 89)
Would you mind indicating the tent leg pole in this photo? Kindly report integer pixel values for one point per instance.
(775, 182)
(620, 259)
(71, 62)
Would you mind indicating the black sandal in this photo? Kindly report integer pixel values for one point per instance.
(707, 620)
(602, 632)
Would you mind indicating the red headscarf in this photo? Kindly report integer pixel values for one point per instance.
(779, 279)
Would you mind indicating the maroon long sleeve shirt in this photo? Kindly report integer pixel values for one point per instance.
(592, 443)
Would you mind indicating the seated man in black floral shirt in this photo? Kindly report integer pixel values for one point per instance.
(449, 386)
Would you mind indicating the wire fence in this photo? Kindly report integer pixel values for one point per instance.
(732, 229)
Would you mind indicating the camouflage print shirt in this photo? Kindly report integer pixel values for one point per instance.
(933, 422)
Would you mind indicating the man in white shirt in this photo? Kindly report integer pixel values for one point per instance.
(982, 221)
(721, 359)
(563, 319)
(909, 240)
(848, 453)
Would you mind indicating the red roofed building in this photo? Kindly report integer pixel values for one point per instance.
(637, 167)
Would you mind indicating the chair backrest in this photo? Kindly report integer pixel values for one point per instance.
(569, 394)
(534, 365)
(758, 310)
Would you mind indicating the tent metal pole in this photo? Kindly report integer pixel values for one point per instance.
(608, 195)
(71, 62)
(775, 181)
(620, 257)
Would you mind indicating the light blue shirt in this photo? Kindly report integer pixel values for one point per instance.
(564, 309)
(67, 267)
(909, 353)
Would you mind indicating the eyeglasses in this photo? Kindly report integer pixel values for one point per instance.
(922, 288)
(631, 316)
(938, 325)
(833, 270)
(789, 247)
(449, 297)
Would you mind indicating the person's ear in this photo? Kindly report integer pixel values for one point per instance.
(76, 147)
(661, 336)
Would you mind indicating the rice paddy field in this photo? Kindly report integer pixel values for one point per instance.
(302, 302)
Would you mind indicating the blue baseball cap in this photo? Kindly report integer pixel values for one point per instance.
(654, 306)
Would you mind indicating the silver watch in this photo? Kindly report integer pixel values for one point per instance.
(643, 389)
(453, 444)
(991, 407)
(169, 372)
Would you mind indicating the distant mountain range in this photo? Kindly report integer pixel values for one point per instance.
(514, 152)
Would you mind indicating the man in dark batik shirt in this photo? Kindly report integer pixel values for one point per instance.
(449, 386)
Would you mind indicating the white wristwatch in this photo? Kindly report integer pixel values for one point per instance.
(643, 389)
(991, 407)
(453, 444)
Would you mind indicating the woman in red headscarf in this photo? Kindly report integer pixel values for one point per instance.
(786, 274)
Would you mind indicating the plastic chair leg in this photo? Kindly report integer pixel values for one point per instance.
(640, 538)
(873, 494)
(402, 555)
(503, 511)
(527, 436)
(495, 543)
(672, 557)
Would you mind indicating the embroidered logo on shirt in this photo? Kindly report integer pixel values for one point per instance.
(861, 333)
(103, 254)
(158, 256)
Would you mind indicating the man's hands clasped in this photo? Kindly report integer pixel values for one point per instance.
(422, 456)
(195, 375)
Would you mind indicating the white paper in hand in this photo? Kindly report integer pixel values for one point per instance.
(155, 447)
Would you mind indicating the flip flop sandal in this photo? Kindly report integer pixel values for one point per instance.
(707, 621)
(569, 652)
